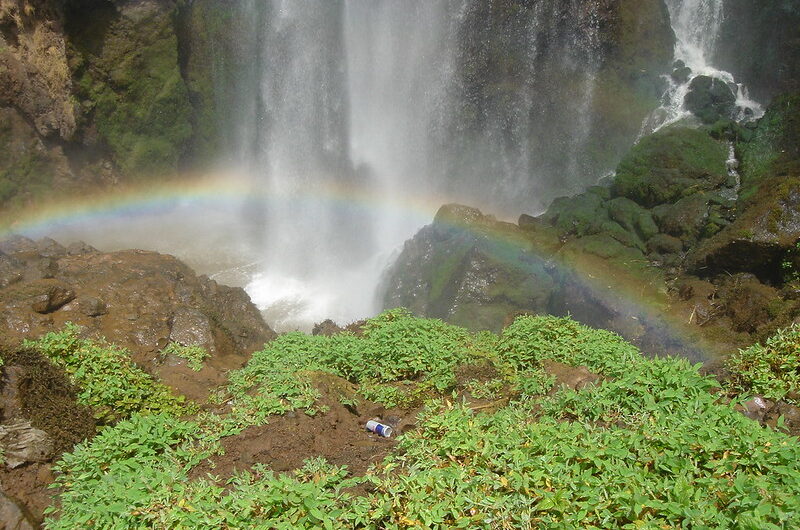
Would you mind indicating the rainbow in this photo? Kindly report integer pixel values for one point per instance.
(626, 293)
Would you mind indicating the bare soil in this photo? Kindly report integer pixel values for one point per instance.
(339, 435)
(36, 390)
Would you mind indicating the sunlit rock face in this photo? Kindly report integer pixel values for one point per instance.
(139, 300)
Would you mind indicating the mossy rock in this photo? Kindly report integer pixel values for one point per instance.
(664, 244)
(581, 214)
(710, 99)
(632, 217)
(761, 236)
(686, 218)
(775, 146)
(671, 164)
(127, 74)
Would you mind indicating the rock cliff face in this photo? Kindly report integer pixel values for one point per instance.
(680, 237)
(97, 92)
(760, 44)
(560, 88)
(139, 300)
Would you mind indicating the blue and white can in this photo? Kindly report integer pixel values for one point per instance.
(379, 428)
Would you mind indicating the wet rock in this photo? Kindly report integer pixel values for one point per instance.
(92, 307)
(632, 217)
(50, 248)
(191, 327)
(582, 214)
(664, 244)
(79, 247)
(23, 443)
(526, 221)
(680, 72)
(18, 245)
(757, 241)
(790, 414)
(132, 298)
(663, 166)
(468, 274)
(749, 303)
(710, 99)
(54, 299)
(756, 408)
(572, 377)
(13, 516)
(686, 218)
(326, 328)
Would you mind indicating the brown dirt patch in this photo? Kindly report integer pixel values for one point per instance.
(34, 389)
(338, 435)
(574, 377)
(28, 485)
(47, 399)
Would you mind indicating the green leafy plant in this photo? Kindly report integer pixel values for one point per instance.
(771, 369)
(108, 380)
(649, 446)
(196, 355)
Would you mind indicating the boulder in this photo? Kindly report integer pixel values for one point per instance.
(469, 269)
(670, 164)
(664, 244)
(759, 239)
(581, 214)
(190, 327)
(632, 217)
(56, 297)
(710, 99)
(686, 218)
(138, 300)
(23, 443)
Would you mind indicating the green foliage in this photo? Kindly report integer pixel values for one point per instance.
(111, 480)
(108, 380)
(530, 339)
(650, 446)
(395, 347)
(196, 355)
(770, 370)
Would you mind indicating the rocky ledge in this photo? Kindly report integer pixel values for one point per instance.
(140, 300)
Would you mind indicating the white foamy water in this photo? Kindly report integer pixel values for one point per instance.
(696, 24)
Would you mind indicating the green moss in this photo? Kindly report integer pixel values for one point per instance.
(131, 80)
(670, 164)
(774, 148)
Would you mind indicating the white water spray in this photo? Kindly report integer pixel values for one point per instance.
(696, 24)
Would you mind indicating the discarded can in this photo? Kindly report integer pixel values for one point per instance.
(379, 428)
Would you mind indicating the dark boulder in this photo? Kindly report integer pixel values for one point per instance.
(710, 99)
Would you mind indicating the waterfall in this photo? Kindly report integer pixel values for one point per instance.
(696, 24)
(345, 93)
(360, 118)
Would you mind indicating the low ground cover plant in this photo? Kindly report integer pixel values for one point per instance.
(771, 370)
(649, 446)
(108, 380)
(195, 355)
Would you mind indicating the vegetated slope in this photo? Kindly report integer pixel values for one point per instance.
(652, 443)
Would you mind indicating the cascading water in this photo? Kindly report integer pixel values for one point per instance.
(696, 24)
(367, 99)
